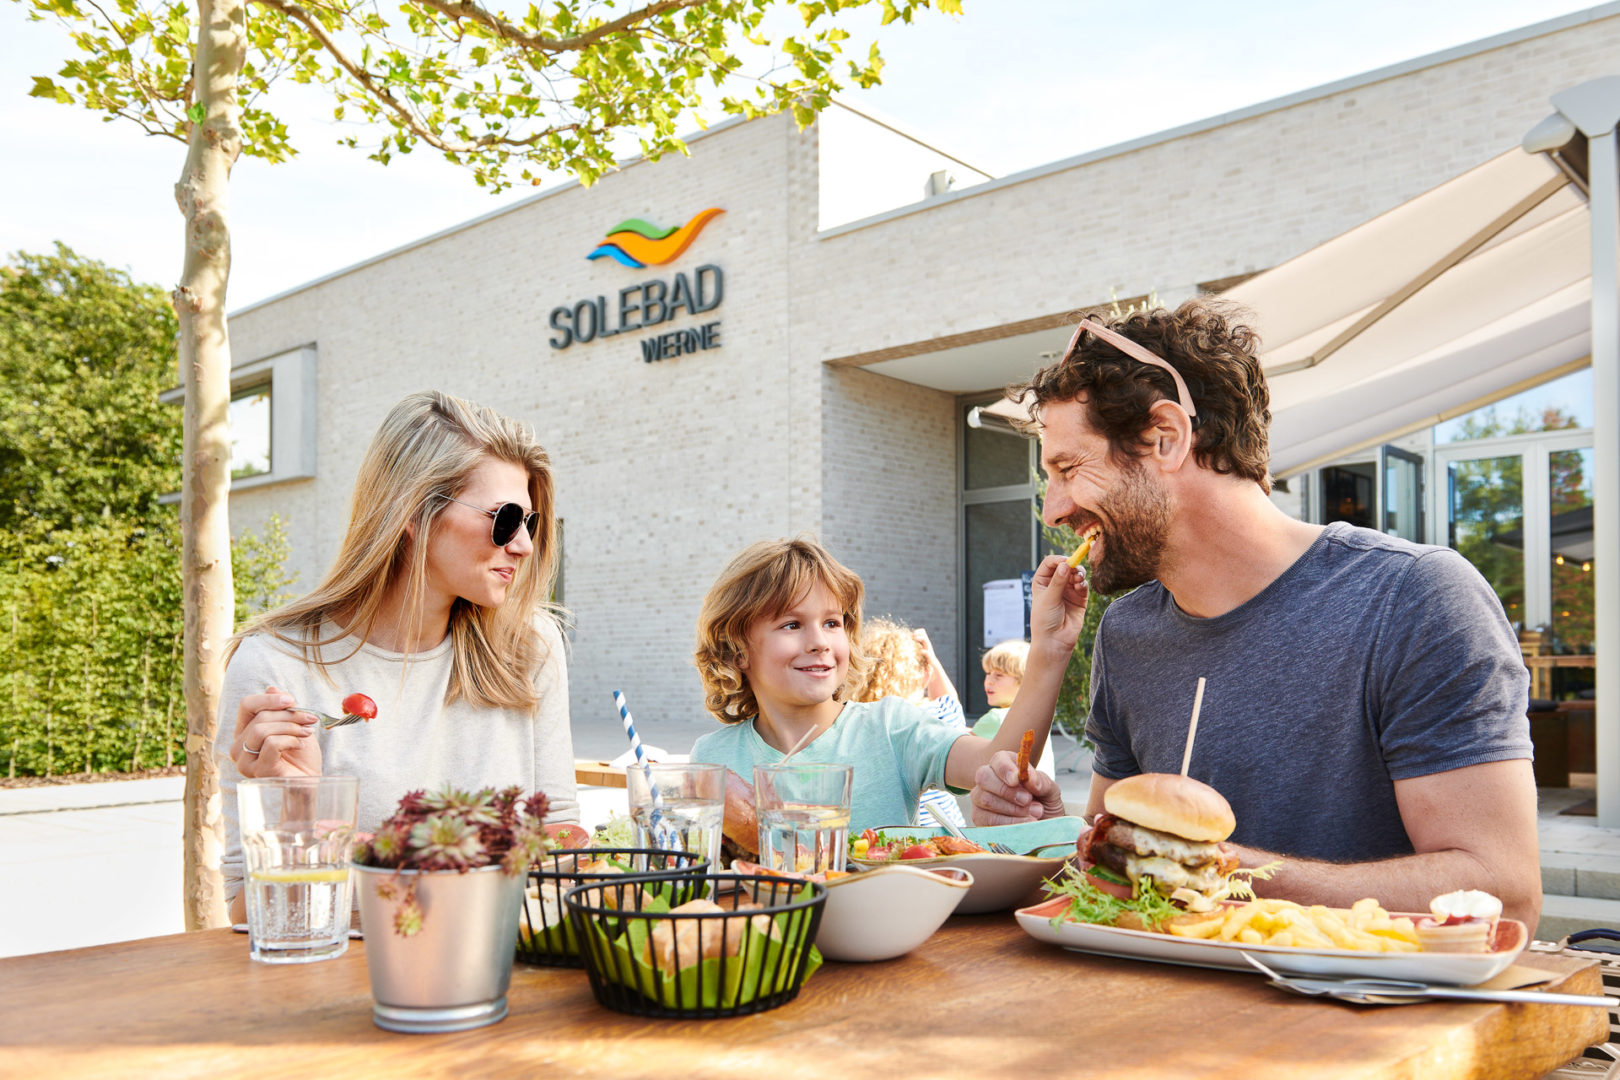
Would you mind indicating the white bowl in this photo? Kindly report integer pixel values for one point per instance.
(887, 912)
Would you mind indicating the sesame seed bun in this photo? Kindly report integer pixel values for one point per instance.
(1171, 803)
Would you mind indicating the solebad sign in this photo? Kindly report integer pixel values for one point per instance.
(638, 244)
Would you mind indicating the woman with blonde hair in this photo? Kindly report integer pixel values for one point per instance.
(436, 608)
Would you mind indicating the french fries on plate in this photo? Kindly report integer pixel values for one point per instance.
(1365, 927)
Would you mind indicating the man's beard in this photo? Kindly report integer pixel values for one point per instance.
(1138, 524)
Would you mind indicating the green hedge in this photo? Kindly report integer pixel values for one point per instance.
(91, 631)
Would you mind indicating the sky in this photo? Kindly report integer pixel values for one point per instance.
(1010, 85)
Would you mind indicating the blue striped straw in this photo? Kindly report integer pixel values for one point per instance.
(658, 826)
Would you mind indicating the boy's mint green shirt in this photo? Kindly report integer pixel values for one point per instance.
(898, 751)
(989, 723)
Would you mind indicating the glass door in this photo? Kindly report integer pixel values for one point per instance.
(1402, 497)
(1570, 674)
(1519, 507)
(999, 535)
(1485, 522)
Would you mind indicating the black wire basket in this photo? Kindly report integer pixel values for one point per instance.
(545, 935)
(750, 949)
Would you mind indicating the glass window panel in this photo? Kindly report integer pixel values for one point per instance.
(250, 431)
(997, 542)
(1347, 494)
(994, 458)
(1555, 406)
(1486, 524)
(1570, 535)
(1403, 495)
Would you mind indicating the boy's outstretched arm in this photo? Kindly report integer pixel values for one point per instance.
(1057, 612)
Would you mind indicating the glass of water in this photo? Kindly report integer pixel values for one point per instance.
(689, 810)
(296, 835)
(803, 816)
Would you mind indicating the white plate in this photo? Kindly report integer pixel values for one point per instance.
(999, 881)
(1444, 969)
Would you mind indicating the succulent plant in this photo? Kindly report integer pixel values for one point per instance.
(453, 830)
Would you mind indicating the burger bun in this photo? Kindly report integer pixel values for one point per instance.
(1171, 803)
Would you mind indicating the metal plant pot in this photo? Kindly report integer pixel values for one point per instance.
(453, 973)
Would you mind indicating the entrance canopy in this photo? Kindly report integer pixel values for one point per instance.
(1462, 296)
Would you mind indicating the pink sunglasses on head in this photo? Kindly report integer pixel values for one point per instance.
(1135, 352)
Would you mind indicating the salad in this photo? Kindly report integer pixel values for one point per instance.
(875, 846)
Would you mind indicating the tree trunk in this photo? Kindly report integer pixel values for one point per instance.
(205, 362)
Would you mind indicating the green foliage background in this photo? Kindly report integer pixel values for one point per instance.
(90, 603)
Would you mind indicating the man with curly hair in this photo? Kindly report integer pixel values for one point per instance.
(1365, 700)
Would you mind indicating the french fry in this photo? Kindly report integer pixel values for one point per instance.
(1238, 921)
(1364, 927)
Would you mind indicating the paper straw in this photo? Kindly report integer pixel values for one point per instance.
(804, 741)
(1192, 728)
(658, 827)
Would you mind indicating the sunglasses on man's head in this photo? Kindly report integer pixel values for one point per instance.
(1135, 352)
(508, 518)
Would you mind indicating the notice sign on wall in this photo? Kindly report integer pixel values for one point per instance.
(637, 244)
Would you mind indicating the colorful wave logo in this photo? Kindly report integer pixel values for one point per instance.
(636, 244)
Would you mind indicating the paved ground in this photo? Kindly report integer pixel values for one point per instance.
(95, 863)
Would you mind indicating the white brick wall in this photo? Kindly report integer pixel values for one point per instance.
(889, 453)
(665, 470)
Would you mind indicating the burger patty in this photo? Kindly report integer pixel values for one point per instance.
(1139, 840)
(1132, 851)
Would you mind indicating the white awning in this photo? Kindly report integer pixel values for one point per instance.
(1463, 295)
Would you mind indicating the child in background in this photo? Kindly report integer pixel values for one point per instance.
(776, 653)
(1003, 674)
(903, 665)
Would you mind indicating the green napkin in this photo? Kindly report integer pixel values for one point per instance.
(560, 940)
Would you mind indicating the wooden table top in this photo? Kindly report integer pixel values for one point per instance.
(599, 774)
(979, 998)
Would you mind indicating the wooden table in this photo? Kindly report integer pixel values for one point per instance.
(599, 773)
(1541, 668)
(979, 999)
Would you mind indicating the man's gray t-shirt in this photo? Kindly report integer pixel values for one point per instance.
(1369, 660)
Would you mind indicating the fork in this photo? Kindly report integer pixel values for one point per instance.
(1370, 991)
(328, 722)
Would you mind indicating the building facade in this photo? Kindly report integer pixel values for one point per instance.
(808, 362)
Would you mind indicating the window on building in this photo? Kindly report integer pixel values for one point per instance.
(272, 418)
(1348, 494)
(1560, 405)
(250, 431)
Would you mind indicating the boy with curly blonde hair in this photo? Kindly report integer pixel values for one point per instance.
(777, 653)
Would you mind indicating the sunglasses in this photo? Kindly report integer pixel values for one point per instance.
(508, 518)
(1135, 352)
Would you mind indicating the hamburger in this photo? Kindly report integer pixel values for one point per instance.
(1154, 855)
(1165, 830)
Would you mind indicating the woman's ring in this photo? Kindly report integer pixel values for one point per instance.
(252, 751)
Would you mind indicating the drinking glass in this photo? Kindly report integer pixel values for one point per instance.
(690, 810)
(803, 816)
(296, 835)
